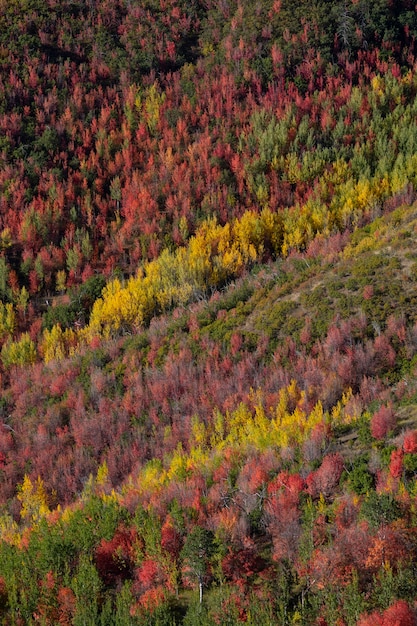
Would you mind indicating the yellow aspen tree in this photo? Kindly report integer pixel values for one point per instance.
(249, 236)
(7, 320)
(152, 104)
(57, 343)
(33, 499)
(9, 530)
(53, 344)
(20, 352)
(272, 230)
(178, 464)
(217, 439)
(152, 477)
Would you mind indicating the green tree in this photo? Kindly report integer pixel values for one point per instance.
(86, 585)
(196, 553)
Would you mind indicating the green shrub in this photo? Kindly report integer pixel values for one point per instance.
(360, 479)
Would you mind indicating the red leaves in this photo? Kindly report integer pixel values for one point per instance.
(147, 574)
(253, 475)
(171, 540)
(396, 463)
(410, 442)
(152, 598)
(240, 566)
(326, 478)
(399, 614)
(114, 559)
(382, 422)
(387, 547)
(66, 606)
(384, 357)
(283, 515)
(288, 485)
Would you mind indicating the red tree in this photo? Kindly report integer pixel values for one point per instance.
(399, 614)
(326, 478)
(382, 422)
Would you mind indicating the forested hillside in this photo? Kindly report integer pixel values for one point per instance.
(208, 312)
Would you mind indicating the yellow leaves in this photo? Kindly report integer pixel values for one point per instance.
(248, 235)
(9, 530)
(61, 281)
(178, 465)
(214, 254)
(301, 224)
(297, 618)
(217, 439)
(272, 228)
(152, 104)
(137, 99)
(207, 49)
(110, 498)
(254, 425)
(102, 475)
(292, 168)
(378, 85)
(197, 458)
(6, 238)
(20, 352)
(352, 200)
(122, 306)
(240, 425)
(7, 320)
(169, 280)
(365, 245)
(34, 500)
(152, 476)
(322, 505)
(197, 259)
(58, 343)
(199, 434)
(182, 464)
(67, 514)
(337, 410)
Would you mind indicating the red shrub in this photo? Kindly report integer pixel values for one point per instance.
(396, 463)
(171, 540)
(115, 558)
(410, 442)
(399, 614)
(382, 422)
(326, 478)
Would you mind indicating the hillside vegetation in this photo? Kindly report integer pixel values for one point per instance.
(208, 313)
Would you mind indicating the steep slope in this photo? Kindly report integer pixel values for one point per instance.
(277, 418)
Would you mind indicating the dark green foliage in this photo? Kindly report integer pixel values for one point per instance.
(97, 520)
(80, 305)
(354, 604)
(380, 509)
(390, 585)
(86, 585)
(196, 554)
(364, 432)
(360, 478)
(385, 454)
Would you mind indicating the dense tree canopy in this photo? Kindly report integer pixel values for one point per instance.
(208, 329)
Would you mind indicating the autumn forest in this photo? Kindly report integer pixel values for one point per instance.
(208, 312)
